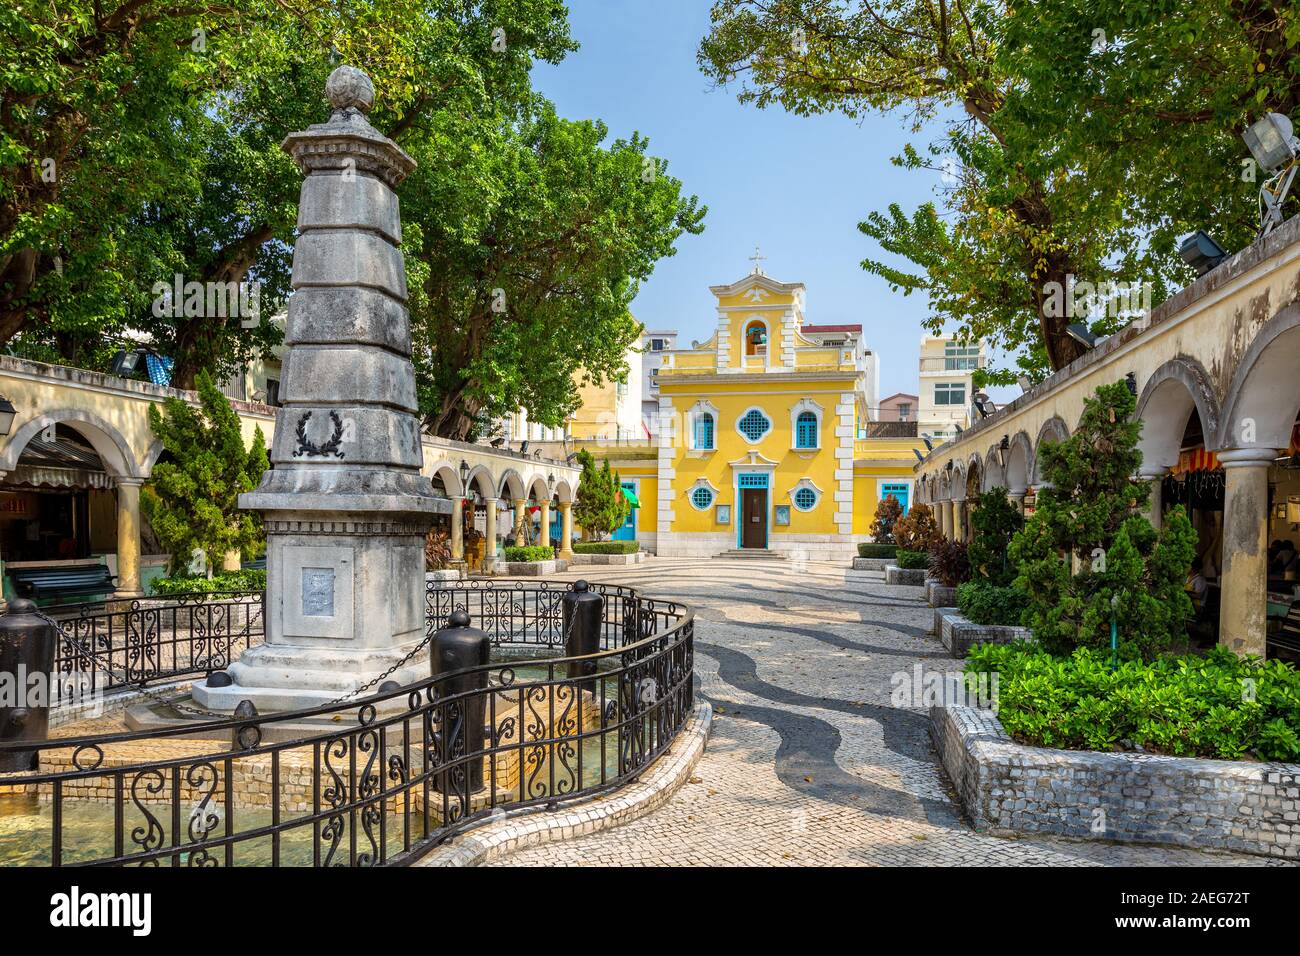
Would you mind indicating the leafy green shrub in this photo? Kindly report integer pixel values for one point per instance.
(868, 550)
(249, 579)
(994, 522)
(989, 604)
(948, 562)
(1087, 512)
(530, 552)
(1218, 705)
(912, 560)
(606, 547)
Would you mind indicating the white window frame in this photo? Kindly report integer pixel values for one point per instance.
(741, 417)
(703, 405)
(801, 406)
(805, 483)
(702, 483)
(948, 388)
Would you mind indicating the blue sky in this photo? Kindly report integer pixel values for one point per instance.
(795, 186)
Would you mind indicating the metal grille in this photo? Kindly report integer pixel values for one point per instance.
(702, 498)
(805, 499)
(754, 425)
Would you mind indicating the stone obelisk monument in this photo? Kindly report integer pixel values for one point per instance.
(345, 507)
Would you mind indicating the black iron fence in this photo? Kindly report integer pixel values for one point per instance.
(383, 779)
(111, 644)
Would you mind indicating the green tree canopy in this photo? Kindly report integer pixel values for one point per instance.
(192, 498)
(1077, 139)
(176, 168)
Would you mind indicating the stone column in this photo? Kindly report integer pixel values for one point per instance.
(545, 514)
(232, 561)
(566, 530)
(1154, 512)
(1017, 499)
(521, 515)
(345, 507)
(945, 517)
(1242, 612)
(489, 535)
(128, 537)
(458, 528)
(958, 519)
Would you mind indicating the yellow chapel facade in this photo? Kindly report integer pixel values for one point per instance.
(762, 436)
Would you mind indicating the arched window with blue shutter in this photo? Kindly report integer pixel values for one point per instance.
(704, 430)
(805, 431)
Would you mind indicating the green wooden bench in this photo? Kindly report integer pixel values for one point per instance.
(63, 582)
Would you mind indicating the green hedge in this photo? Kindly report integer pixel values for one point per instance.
(877, 550)
(1217, 705)
(606, 547)
(532, 552)
(249, 579)
(986, 603)
(912, 560)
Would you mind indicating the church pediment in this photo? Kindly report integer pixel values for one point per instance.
(753, 459)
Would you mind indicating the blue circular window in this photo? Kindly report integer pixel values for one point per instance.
(805, 499)
(754, 424)
(702, 497)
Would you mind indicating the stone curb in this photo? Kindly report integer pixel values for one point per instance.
(629, 803)
(1010, 789)
(959, 633)
(912, 577)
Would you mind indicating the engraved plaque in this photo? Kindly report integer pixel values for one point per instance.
(318, 592)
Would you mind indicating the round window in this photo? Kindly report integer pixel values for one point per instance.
(702, 497)
(805, 499)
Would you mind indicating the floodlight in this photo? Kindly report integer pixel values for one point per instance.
(1201, 252)
(919, 456)
(1080, 333)
(929, 445)
(1271, 141)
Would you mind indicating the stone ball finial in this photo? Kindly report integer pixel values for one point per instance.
(349, 88)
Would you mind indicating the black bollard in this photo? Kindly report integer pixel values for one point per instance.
(458, 647)
(583, 611)
(27, 645)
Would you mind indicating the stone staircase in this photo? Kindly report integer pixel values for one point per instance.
(752, 553)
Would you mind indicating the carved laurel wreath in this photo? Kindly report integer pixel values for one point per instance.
(331, 447)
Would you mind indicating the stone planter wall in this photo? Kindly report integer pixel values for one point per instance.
(1008, 788)
(871, 564)
(958, 633)
(618, 559)
(940, 595)
(530, 569)
(896, 575)
(447, 574)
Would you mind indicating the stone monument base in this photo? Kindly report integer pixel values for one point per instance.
(280, 677)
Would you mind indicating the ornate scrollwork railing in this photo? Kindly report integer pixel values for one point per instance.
(387, 777)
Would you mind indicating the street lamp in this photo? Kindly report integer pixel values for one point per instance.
(1003, 447)
(7, 411)
(464, 475)
(550, 482)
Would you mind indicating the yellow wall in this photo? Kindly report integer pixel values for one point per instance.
(775, 396)
(646, 476)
